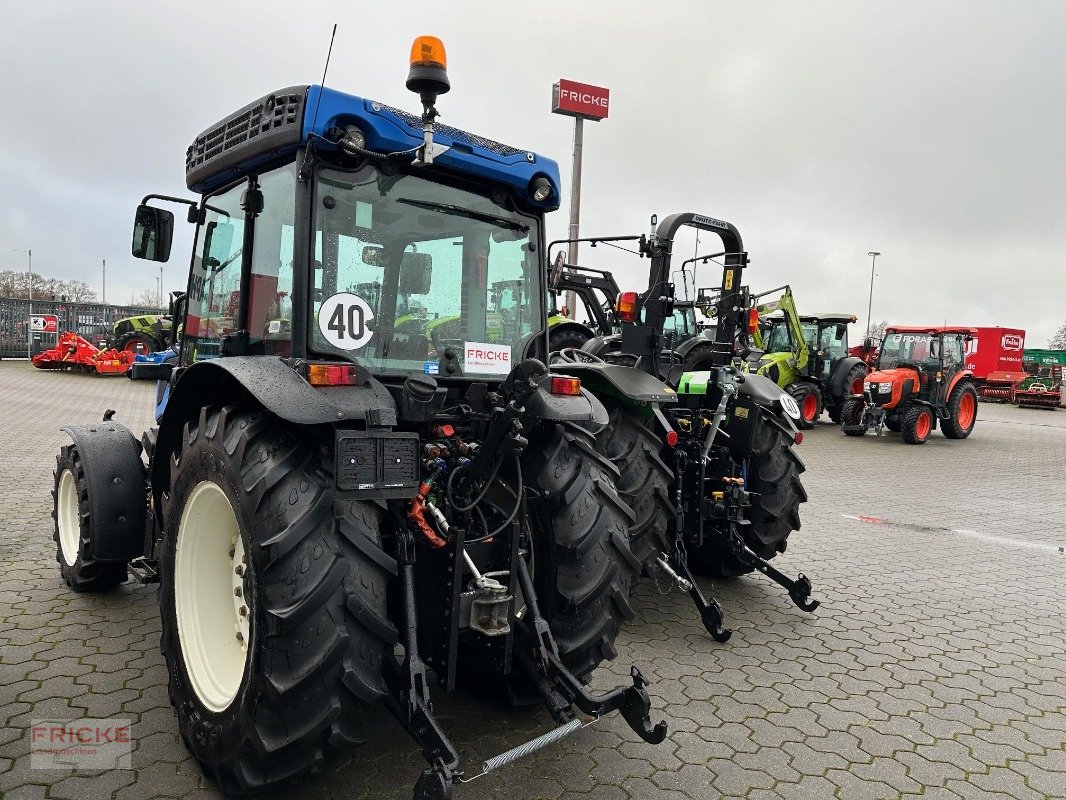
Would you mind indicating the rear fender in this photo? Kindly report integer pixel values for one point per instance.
(270, 383)
(114, 472)
(630, 385)
(837, 387)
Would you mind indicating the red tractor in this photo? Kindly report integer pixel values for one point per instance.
(921, 380)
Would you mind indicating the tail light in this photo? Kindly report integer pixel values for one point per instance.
(565, 385)
(671, 438)
(332, 375)
(753, 320)
(627, 306)
(799, 437)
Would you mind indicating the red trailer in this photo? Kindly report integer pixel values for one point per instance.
(994, 355)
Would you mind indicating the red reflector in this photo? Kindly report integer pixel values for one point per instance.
(562, 385)
(627, 306)
(671, 438)
(447, 431)
(799, 438)
(331, 374)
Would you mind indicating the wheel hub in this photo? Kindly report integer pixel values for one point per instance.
(210, 587)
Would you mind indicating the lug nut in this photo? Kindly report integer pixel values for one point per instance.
(238, 592)
(231, 552)
(240, 636)
(239, 569)
(243, 611)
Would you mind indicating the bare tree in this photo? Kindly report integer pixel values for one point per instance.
(1058, 341)
(78, 292)
(146, 298)
(877, 329)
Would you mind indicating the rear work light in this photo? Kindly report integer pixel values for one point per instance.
(332, 374)
(753, 320)
(627, 306)
(561, 385)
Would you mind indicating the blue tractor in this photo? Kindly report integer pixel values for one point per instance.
(357, 448)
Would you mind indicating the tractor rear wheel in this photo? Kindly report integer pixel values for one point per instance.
(272, 601)
(808, 397)
(583, 567)
(851, 415)
(916, 424)
(73, 531)
(774, 479)
(644, 479)
(853, 386)
(962, 411)
(570, 336)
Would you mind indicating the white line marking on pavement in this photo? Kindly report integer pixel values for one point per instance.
(966, 532)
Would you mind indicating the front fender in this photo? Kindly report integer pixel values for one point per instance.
(111, 460)
(840, 374)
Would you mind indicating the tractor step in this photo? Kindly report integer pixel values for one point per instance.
(143, 571)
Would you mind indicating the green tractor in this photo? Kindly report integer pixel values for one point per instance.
(805, 354)
(142, 334)
(706, 459)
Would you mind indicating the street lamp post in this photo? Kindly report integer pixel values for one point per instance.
(29, 316)
(869, 309)
(103, 281)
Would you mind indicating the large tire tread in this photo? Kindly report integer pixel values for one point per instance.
(321, 620)
(87, 574)
(583, 568)
(644, 480)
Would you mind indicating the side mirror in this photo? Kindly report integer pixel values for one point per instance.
(868, 344)
(153, 233)
(416, 273)
(842, 331)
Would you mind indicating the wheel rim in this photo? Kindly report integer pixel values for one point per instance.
(810, 407)
(967, 411)
(136, 346)
(857, 386)
(209, 569)
(67, 517)
(923, 425)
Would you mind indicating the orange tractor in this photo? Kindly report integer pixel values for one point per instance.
(920, 381)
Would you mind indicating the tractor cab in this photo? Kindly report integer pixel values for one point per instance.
(920, 381)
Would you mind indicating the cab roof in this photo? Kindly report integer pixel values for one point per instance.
(929, 329)
(278, 123)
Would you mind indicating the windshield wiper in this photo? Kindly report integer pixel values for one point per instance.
(469, 213)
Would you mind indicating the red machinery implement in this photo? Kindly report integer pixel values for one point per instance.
(1040, 391)
(77, 354)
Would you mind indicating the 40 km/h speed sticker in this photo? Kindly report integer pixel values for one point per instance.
(344, 321)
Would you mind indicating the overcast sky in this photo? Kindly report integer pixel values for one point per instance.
(930, 131)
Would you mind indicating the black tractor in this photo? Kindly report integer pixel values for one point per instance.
(710, 471)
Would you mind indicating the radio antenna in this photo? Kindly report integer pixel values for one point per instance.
(325, 69)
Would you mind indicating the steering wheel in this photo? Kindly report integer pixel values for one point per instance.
(575, 355)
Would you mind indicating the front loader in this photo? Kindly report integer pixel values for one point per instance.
(806, 355)
(707, 459)
(356, 506)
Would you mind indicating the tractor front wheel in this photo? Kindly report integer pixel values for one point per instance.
(139, 344)
(962, 411)
(808, 397)
(73, 531)
(272, 601)
(916, 424)
(851, 417)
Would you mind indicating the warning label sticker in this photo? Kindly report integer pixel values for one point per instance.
(480, 357)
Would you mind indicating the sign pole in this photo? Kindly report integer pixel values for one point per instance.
(575, 208)
(29, 318)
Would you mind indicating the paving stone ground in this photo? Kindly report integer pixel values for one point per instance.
(936, 666)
